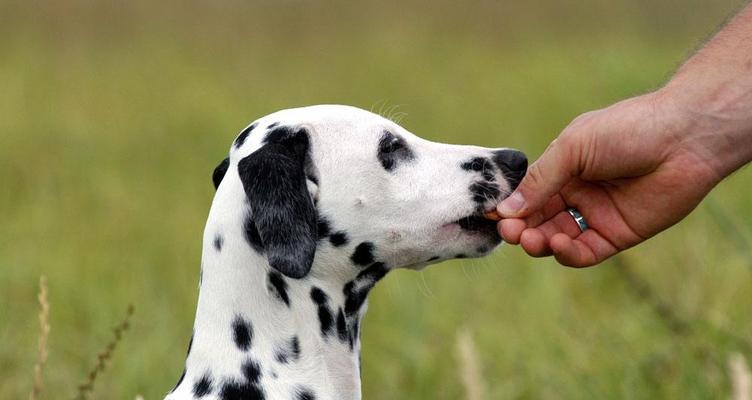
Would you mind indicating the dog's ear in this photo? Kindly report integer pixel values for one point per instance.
(274, 180)
(220, 171)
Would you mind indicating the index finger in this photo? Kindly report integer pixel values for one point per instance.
(544, 178)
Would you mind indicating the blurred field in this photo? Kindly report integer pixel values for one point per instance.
(113, 115)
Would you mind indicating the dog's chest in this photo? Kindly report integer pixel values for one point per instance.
(258, 335)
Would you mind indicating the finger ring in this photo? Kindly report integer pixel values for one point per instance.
(578, 218)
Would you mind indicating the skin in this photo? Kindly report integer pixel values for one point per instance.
(641, 165)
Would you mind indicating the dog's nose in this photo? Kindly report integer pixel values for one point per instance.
(513, 163)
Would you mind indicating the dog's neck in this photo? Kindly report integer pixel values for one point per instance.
(256, 330)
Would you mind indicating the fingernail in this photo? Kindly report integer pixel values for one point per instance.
(512, 204)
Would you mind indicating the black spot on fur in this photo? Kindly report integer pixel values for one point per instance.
(282, 357)
(251, 371)
(272, 125)
(302, 393)
(326, 319)
(244, 134)
(391, 150)
(234, 390)
(357, 290)
(289, 351)
(249, 389)
(434, 258)
(218, 242)
(323, 227)
(220, 171)
(373, 274)
(341, 325)
(318, 296)
(274, 180)
(252, 235)
(295, 347)
(476, 164)
(242, 333)
(353, 299)
(203, 386)
(482, 249)
(277, 285)
(482, 165)
(363, 254)
(338, 239)
(460, 256)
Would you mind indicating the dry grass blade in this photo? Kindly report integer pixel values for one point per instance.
(85, 388)
(470, 369)
(44, 333)
(741, 378)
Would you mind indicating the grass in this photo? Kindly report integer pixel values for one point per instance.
(44, 334)
(112, 116)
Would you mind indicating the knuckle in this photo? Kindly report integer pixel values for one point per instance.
(568, 140)
(571, 145)
(581, 120)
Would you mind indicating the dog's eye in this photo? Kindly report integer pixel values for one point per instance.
(391, 144)
(392, 148)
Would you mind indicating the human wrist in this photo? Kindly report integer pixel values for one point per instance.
(712, 121)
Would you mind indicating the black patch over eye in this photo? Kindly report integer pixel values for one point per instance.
(392, 149)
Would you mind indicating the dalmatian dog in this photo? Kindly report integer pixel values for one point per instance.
(313, 207)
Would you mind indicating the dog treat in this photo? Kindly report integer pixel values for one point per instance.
(492, 215)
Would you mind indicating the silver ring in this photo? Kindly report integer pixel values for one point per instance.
(578, 218)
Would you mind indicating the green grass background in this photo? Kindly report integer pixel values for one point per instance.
(113, 115)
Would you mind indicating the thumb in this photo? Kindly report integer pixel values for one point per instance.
(544, 178)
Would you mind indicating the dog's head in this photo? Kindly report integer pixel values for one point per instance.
(340, 185)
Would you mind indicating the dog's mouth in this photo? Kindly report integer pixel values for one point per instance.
(483, 223)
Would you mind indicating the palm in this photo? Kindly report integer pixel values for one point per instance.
(632, 179)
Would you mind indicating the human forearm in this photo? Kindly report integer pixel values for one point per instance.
(639, 166)
(711, 96)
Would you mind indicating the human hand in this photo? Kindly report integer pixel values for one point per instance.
(632, 170)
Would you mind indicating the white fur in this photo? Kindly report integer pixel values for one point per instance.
(407, 213)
